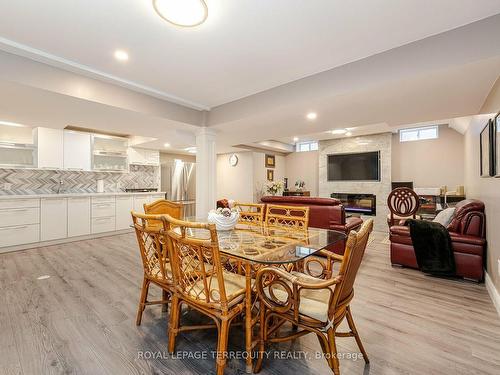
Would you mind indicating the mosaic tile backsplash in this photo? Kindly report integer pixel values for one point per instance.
(35, 181)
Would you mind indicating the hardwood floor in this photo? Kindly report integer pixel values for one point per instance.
(81, 320)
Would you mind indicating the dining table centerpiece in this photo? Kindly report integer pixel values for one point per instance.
(224, 218)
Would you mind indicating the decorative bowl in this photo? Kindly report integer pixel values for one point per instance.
(223, 222)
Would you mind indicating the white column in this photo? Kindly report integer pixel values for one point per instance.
(205, 172)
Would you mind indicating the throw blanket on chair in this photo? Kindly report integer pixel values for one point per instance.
(433, 250)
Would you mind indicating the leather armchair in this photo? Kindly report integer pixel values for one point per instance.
(326, 213)
(468, 237)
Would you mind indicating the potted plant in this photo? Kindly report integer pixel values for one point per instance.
(274, 188)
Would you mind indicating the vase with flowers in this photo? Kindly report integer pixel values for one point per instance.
(274, 188)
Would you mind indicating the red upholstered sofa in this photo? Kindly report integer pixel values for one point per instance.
(468, 236)
(326, 213)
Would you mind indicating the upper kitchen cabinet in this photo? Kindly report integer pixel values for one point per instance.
(16, 147)
(109, 153)
(50, 147)
(140, 156)
(77, 151)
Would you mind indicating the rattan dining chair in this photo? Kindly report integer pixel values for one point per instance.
(202, 283)
(294, 218)
(163, 207)
(250, 213)
(313, 304)
(157, 269)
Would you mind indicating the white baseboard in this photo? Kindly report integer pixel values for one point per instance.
(492, 291)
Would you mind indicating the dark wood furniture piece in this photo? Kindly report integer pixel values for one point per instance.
(403, 204)
(313, 302)
(296, 193)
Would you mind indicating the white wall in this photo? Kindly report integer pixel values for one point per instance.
(303, 166)
(247, 180)
(430, 163)
(487, 190)
(235, 182)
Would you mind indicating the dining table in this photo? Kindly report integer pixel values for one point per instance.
(251, 247)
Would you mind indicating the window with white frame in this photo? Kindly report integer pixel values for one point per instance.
(306, 146)
(419, 134)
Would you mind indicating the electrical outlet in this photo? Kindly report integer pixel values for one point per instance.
(7, 186)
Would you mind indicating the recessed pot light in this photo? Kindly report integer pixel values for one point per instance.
(312, 115)
(339, 131)
(186, 13)
(295, 139)
(121, 55)
(191, 150)
(166, 145)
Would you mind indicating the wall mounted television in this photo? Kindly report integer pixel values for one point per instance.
(362, 166)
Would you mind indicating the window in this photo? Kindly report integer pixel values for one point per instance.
(418, 134)
(306, 146)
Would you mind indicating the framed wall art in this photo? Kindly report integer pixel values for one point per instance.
(270, 175)
(486, 150)
(270, 161)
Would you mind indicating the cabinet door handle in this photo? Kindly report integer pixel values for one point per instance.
(103, 205)
(15, 228)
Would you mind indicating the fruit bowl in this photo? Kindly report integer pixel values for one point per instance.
(224, 219)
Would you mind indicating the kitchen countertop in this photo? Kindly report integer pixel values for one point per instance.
(77, 195)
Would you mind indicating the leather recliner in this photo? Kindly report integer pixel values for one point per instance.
(326, 213)
(468, 237)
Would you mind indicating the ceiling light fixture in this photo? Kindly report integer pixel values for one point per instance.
(338, 131)
(191, 150)
(185, 13)
(295, 139)
(15, 124)
(312, 116)
(121, 55)
(166, 145)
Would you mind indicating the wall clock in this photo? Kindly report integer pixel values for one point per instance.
(233, 160)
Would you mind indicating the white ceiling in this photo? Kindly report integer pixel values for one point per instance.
(246, 46)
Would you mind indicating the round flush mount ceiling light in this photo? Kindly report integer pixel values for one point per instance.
(312, 116)
(121, 55)
(185, 13)
(295, 139)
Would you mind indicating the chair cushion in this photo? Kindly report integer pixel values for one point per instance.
(314, 303)
(235, 289)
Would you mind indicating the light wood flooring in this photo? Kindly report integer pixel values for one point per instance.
(81, 320)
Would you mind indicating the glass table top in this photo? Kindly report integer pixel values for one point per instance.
(271, 245)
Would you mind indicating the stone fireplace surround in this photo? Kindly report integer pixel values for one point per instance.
(375, 142)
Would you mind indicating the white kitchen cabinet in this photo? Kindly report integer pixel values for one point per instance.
(103, 224)
(142, 156)
(50, 148)
(103, 214)
(139, 201)
(78, 216)
(19, 235)
(77, 151)
(124, 204)
(155, 197)
(53, 218)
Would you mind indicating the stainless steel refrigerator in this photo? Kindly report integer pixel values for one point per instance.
(178, 180)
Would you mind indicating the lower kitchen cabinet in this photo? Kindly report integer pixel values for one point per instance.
(124, 204)
(78, 216)
(53, 218)
(103, 224)
(139, 202)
